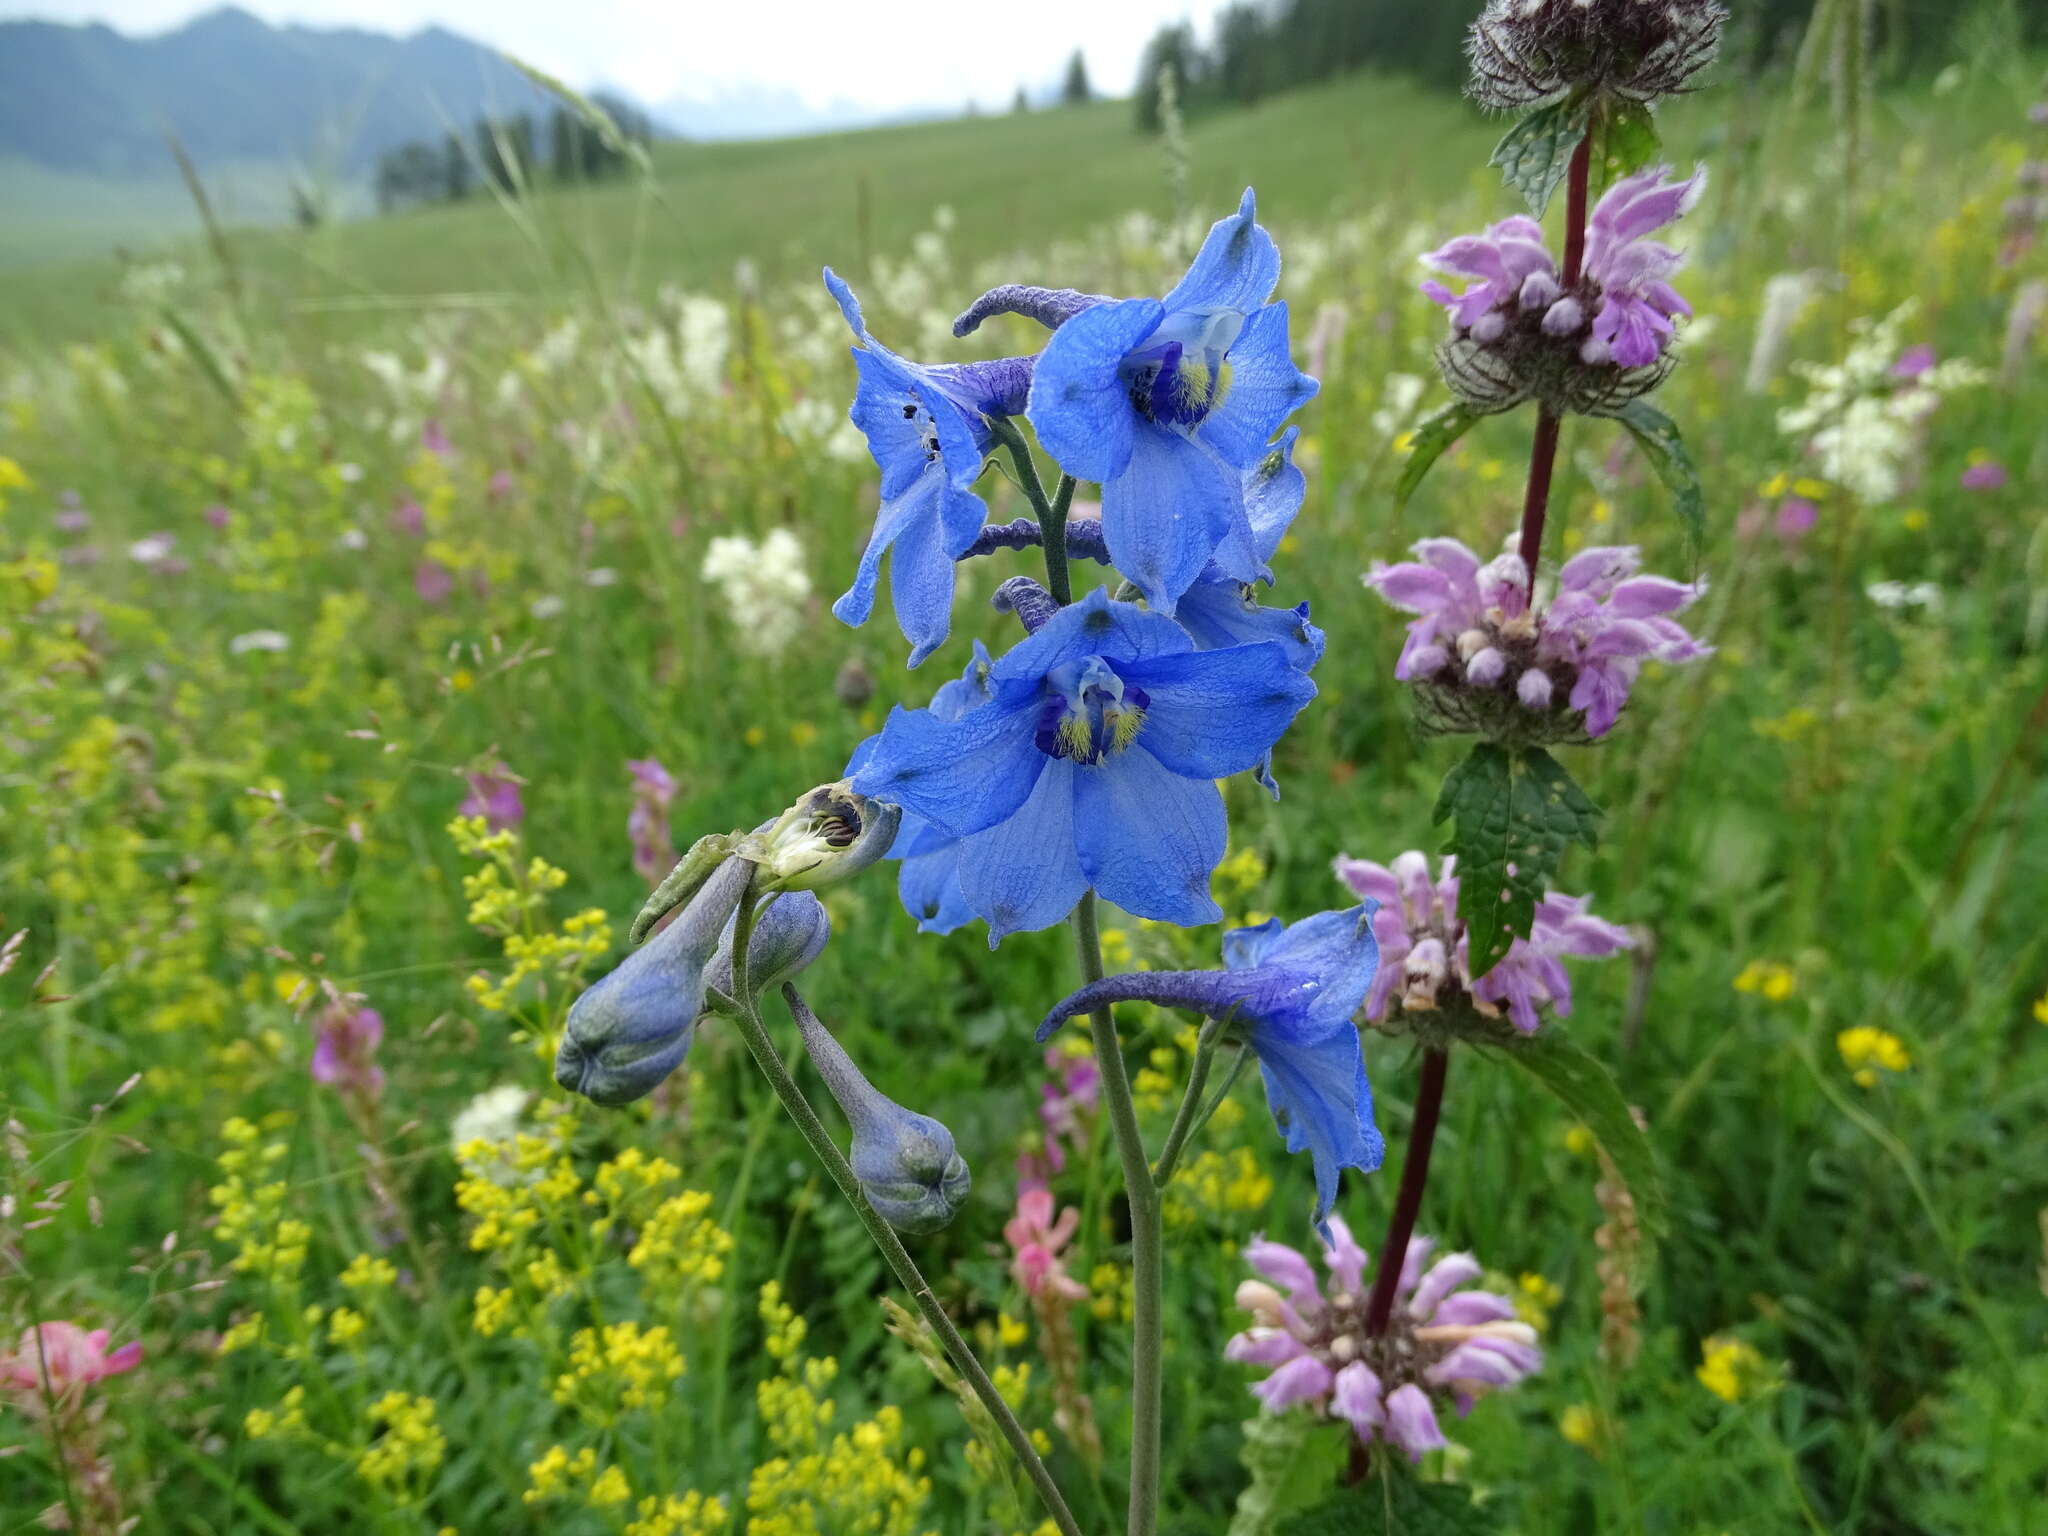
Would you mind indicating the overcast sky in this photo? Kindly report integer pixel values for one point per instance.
(888, 57)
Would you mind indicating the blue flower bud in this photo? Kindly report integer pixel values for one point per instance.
(789, 933)
(633, 1027)
(905, 1162)
(826, 836)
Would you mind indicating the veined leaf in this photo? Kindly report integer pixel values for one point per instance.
(1398, 1504)
(1513, 812)
(1657, 435)
(1535, 154)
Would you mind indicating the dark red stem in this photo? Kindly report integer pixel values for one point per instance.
(1393, 1254)
(1543, 452)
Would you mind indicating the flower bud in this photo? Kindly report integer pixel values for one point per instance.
(905, 1162)
(828, 835)
(1527, 51)
(1486, 668)
(1533, 689)
(789, 933)
(634, 1026)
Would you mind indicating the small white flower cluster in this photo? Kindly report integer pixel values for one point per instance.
(815, 422)
(1862, 415)
(415, 392)
(765, 587)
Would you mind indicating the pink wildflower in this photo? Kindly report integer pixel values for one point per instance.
(1036, 1238)
(654, 852)
(494, 795)
(65, 1355)
(345, 1056)
(1989, 475)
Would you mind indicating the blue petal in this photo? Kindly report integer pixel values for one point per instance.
(1273, 489)
(999, 386)
(1265, 389)
(966, 774)
(1243, 948)
(895, 442)
(849, 306)
(916, 526)
(1215, 713)
(1219, 614)
(1337, 949)
(1164, 516)
(970, 690)
(1236, 268)
(1023, 873)
(1094, 626)
(1079, 400)
(1149, 838)
(1316, 1088)
(929, 886)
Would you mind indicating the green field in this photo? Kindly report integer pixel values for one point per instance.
(1838, 822)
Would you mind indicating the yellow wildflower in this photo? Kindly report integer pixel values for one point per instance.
(1581, 1427)
(1732, 1369)
(1767, 979)
(1867, 1051)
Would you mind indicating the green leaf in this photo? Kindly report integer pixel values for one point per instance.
(1513, 812)
(1624, 141)
(1589, 1091)
(1292, 1457)
(1397, 1504)
(1432, 438)
(1657, 435)
(1537, 151)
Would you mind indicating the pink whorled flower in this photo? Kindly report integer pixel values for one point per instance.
(494, 795)
(68, 1356)
(654, 849)
(1585, 645)
(1621, 308)
(1443, 1343)
(1035, 1240)
(1423, 953)
(345, 1056)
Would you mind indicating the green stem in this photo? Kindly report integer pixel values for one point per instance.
(1051, 514)
(1148, 1269)
(1188, 1117)
(826, 1150)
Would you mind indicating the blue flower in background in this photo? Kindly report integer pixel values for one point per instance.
(1293, 990)
(927, 431)
(929, 883)
(1092, 765)
(1166, 403)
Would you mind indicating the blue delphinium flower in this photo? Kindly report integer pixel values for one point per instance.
(1092, 765)
(1166, 402)
(1293, 990)
(927, 430)
(929, 883)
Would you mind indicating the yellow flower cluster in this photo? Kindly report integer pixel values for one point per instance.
(690, 1514)
(263, 1424)
(1581, 1426)
(251, 1206)
(404, 1457)
(1536, 1297)
(557, 1472)
(1112, 1295)
(621, 1365)
(1867, 1050)
(367, 1276)
(681, 1244)
(1767, 979)
(1217, 1184)
(860, 1480)
(508, 900)
(1732, 1369)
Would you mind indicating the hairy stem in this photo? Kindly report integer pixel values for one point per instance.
(1393, 1254)
(748, 1021)
(1148, 1241)
(1188, 1118)
(1050, 512)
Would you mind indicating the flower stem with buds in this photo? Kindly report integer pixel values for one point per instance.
(746, 1016)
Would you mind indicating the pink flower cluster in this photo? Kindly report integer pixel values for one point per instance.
(1442, 1342)
(1036, 1239)
(1475, 630)
(1623, 290)
(1423, 945)
(66, 1356)
(345, 1055)
(654, 849)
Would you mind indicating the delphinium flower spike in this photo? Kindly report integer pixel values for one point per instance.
(1292, 990)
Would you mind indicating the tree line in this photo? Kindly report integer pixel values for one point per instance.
(507, 154)
(1259, 47)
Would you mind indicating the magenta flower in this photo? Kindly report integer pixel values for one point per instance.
(1442, 1343)
(432, 581)
(345, 1056)
(409, 517)
(1622, 306)
(1913, 362)
(1424, 962)
(218, 516)
(1989, 475)
(1796, 517)
(494, 795)
(65, 1356)
(1475, 636)
(433, 439)
(1035, 1240)
(654, 851)
(1061, 1108)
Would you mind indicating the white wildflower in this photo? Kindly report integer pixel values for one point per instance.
(764, 586)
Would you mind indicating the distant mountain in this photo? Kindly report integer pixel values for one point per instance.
(233, 88)
(766, 112)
